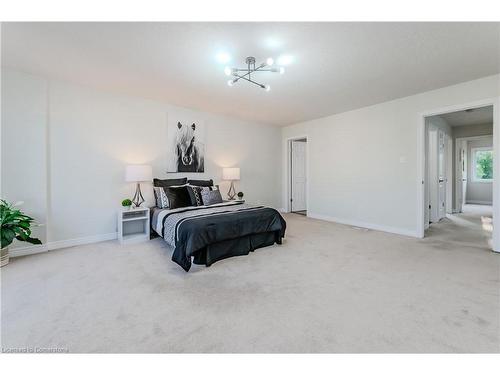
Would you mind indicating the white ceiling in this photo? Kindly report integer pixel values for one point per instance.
(476, 116)
(337, 66)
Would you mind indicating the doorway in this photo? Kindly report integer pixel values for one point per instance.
(298, 176)
(458, 176)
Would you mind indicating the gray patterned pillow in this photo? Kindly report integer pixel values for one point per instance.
(211, 196)
(161, 197)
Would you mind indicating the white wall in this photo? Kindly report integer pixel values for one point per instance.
(65, 148)
(478, 192)
(364, 165)
(472, 130)
(24, 148)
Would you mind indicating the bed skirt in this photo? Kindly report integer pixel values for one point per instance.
(235, 247)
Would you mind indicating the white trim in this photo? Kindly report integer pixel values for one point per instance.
(29, 250)
(421, 161)
(361, 224)
(487, 203)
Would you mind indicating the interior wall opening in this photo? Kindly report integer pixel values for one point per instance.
(458, 195)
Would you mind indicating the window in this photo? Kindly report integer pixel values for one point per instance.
(482, 164)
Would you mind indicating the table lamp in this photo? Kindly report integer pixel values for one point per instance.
(231, 174)
(138, 174)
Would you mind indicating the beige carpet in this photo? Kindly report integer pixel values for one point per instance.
(329, 288)
(472, 228)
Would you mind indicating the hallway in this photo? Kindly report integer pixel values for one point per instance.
(471, 228)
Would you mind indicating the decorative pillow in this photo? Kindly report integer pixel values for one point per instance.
(170, 182)
(214, 187)
(195, 195)
(210, 196)
(178, 197)
(201, 182)
(161, 197)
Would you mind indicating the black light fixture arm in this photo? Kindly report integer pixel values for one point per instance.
(251, 81)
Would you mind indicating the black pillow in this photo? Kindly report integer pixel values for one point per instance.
(201, 182)
(195, 195)
(177, 197)
(171, 182)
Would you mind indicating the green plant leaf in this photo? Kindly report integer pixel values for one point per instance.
(15, 224)
(33, 241)
(8, 236)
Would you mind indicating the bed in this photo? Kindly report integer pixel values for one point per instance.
(205, 234)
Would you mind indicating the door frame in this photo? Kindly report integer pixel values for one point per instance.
(421, 159)
(288, 172)
(457, 159)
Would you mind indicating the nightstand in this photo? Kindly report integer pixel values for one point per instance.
(133, 225)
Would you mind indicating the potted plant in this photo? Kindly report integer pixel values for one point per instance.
(127, 203)
(15, 224)
(240, 195)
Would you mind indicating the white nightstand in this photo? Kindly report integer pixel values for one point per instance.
(233, 200)
(133, 225)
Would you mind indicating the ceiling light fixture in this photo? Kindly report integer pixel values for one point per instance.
(285, 60)
(223, 57)
(246, 73)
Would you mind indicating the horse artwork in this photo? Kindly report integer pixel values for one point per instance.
(186, 147)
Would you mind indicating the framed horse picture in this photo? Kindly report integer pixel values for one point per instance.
(186, 146)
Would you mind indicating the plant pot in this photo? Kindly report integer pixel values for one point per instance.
(5, 257)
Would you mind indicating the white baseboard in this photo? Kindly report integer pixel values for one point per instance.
(480, 202)
(360, 224)
(28, 250)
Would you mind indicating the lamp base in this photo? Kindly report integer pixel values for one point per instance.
(232, 192)
(138, 198)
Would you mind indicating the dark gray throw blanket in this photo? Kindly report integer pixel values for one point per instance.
(194, 229)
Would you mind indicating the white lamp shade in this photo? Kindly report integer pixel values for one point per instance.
(136, 173)
(230, 174)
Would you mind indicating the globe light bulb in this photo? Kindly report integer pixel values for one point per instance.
(223, 57)
(227, 71)
(269, 61)
(267, 88)
(285, 60)
(230, 82)
(282, 70)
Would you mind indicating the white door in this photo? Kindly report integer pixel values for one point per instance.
(298, 196)
(441, 175)
(449, 174)
(461, 174)
(432, 163)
